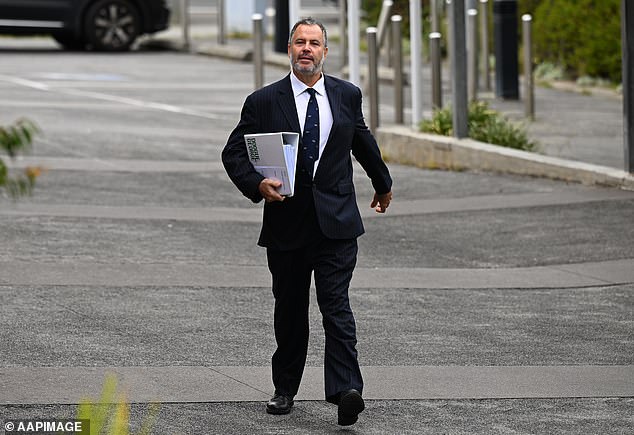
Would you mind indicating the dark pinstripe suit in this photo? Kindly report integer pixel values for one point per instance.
(315, 230)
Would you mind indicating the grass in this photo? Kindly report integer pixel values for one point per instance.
(111, 414)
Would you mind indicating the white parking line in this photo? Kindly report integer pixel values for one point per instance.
(112, 98)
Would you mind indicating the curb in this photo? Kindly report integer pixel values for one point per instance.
(400, 144)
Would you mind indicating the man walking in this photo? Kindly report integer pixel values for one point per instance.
(315, 230)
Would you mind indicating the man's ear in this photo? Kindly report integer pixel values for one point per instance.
(288, 50)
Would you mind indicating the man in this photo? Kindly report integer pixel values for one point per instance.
(316, 229)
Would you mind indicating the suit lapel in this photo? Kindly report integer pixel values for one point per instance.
(286, 102)
(334, 100)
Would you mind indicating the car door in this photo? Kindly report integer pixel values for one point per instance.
(37, 14)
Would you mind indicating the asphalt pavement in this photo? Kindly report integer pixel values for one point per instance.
(485, 302)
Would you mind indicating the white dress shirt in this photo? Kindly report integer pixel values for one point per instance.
(325, 113)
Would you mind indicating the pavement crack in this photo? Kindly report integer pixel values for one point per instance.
(237, 380)
(587, 275)
(66, 308)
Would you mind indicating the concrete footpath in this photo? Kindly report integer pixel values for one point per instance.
(485, 302)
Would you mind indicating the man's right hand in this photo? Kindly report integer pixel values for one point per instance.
(268, 190)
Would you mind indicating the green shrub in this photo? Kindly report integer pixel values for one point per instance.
(441, 122)
(16, 139)
(583, 36)
(485, 125)
(527, 6)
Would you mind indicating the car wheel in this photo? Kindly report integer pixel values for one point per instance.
(112, 25)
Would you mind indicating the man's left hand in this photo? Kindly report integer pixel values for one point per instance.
(380, 203)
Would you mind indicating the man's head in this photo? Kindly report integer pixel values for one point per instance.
(307, 49)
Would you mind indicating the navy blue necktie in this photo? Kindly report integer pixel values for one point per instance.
(310, 138)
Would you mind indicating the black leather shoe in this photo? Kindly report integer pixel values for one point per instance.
(279, 404)
(350, 406)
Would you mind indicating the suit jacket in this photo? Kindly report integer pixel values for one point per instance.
(330, 195)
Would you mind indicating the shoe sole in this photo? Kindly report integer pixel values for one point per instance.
(276, 411)
(350, 406)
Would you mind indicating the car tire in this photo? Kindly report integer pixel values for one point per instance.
(69, 41)
(112, 25)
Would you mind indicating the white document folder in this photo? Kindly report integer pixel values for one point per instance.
(274, 155)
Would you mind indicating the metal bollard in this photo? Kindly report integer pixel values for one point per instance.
(294, 8)
(222, 38)
(382, 34)
(354, 60)
(371, 33)
(384, 17)
(472, 54)
(459, 70)
(184, 4)
(269, 13)
(383, 31)
(529, 88)
(435, 19)
(397, 63)
(484, 45)
(416, 61)
(258, 50)
(627, 50)
(436, 70)
(343, 30)
(448, 37)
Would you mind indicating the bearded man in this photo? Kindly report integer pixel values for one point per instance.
(315, 231)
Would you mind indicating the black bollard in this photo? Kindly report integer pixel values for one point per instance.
(282, 26)
(505, 33)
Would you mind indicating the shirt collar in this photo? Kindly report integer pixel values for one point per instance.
(299, 86)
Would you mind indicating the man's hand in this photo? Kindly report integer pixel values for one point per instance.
(267, 190)
(381, 202)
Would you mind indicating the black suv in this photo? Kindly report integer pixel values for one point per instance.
(105, 25)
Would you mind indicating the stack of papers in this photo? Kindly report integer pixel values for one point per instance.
(274, 155)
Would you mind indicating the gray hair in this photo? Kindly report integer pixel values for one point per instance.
(309, 22)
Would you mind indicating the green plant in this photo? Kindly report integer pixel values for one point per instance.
(583, 36)
(527, 6)
(485, 125)
(111, 414)
(548, 71)
(441, 122)
(16, 139)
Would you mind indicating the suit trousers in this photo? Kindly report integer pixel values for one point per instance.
(332, 262)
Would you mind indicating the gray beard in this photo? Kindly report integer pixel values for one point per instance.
(314, 69)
